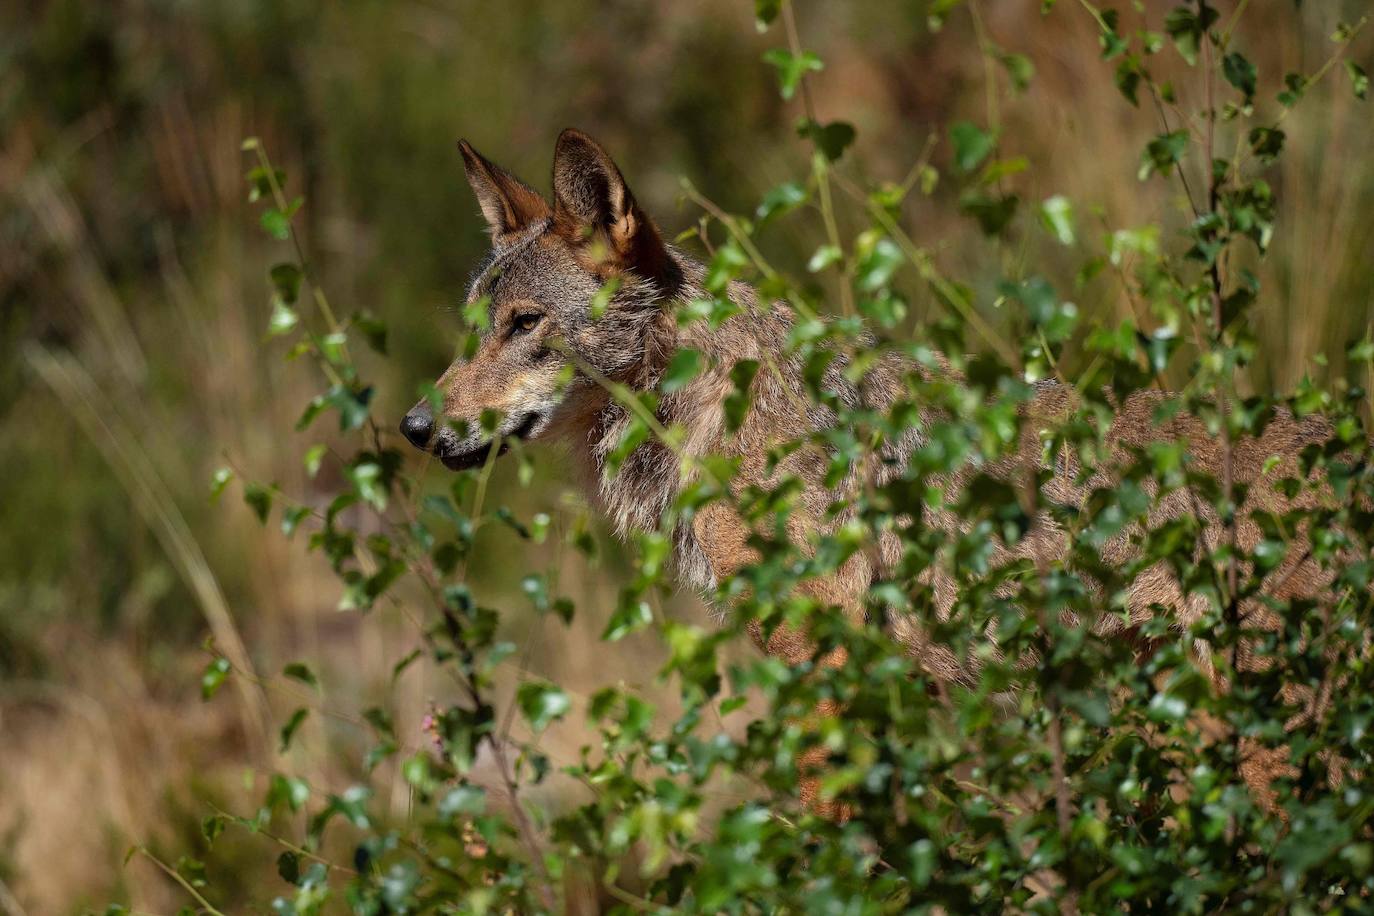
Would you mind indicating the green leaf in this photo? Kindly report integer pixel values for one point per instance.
(211, 827)
(1267, 143)
(291, 518)
(542, 703)
(1019, 69)
(288, 731)
(399, 668)
(792, 68)
(737, 402)
(1054, 318)
(781, 199)
(878, 259)
(218, 481)
(971, 145)
(352, 407)
(283, 319)
(765, 11)
(314, 457)
(286, 279)
(1163, 153)
(464, 799)
(993, 212)
(831, 139)
(1294, 87)
(727, 264)
(276, 223)
(259, 499)
(1186, 26)
(1128, 77)
(290, 791)
(332, 347)
(1359, 80)
(289, 867)
(477, 315)
(938, 11)
(372, 328)
(823, 257)
(929, 178)
(193, 870)
(685, 365)
(380, 719)
(298, 671)
(260, 182)
(601, 299)
(629, 617)
(368, 480)
(213, 677)
(1056, 215)
(1241, 73)
(999, 169)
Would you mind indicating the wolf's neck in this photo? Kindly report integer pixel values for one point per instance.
(636, 489)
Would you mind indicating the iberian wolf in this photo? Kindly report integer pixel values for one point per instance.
(545, 361)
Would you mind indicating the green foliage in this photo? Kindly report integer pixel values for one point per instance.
(1069, 769)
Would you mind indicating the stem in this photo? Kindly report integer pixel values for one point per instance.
(177, 876)
(1227, 458)
(1232, 23)
(989, 66)
(1063, 803)
(820, 166)
(279, 198)
(624, 896)
(287, 844)
(1063, 798)
(739, 235)
(523, 826)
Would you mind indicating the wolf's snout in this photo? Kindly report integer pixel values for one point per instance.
(418, 426)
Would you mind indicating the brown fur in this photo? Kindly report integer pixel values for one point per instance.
(551, 261)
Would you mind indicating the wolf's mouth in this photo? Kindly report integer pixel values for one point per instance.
(460, 461)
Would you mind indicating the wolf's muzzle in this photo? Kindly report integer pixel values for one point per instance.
(418, 429)
(458, 461)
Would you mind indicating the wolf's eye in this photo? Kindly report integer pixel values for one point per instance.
(523, 324)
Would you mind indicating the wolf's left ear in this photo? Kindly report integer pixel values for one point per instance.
(508, 204)
(592, 201)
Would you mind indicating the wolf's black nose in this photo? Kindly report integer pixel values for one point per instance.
(417, 427)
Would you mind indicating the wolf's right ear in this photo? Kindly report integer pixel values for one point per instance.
(508, 204)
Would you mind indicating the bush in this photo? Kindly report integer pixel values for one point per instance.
(1076, 748)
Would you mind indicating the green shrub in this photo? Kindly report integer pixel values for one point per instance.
(1075, 766)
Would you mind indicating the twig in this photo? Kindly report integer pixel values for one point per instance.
(1227, 457)
(820, 166)
(206, 905)
(285, 843)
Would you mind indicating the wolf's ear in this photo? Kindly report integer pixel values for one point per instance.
(592, 201)
(508, 204)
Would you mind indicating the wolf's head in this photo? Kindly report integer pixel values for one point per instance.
(542, 362)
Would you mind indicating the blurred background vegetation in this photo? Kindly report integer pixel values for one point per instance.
(134, 301)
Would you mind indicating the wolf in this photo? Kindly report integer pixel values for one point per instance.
(546, 366)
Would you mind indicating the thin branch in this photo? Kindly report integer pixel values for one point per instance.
(820, 166)
(285, 843)
(205, 905)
